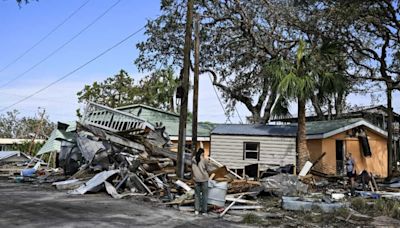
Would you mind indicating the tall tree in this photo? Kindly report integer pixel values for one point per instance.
(371, 31)
(113, 92)
(12, 126)
(237, 39)
(158, 89)
(300, 79)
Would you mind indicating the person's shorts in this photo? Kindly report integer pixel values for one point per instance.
(351, 174)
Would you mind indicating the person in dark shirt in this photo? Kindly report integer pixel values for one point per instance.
(351, 171)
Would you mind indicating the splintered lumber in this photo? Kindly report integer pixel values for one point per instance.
(238, 186)
(374, 182)
(183, 185)
(306, 168)
(212, 176)
(221, 165)
(232, 199)
(370, 185)
(220, 172)
(141, 182)
(230, 205)
(238, 194)
(246, 207)
(318, 159)
(157, 151)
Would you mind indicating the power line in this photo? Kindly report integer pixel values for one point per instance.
(44, 37)
(75, 70)
(216, 93)
(62, 46)
(219, 99)
(37, 98)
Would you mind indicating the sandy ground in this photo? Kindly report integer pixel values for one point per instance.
(28, 205)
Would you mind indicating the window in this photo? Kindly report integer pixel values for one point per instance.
(251, 150)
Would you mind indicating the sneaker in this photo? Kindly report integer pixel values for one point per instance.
(204, 213)
(196, 212)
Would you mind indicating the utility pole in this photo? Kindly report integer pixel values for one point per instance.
(38, 127)
(389, 129)
(195, 84)
(185, 87)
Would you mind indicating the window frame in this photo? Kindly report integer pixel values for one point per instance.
(245, 151)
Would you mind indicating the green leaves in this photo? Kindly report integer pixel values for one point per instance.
(156, 90)
(12, 126)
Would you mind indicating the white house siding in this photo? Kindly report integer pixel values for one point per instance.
(274, 151)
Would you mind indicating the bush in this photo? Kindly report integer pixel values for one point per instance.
(358, 204)
(343, 212)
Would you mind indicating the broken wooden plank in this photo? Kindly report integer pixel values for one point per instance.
(143, 184)
(230, 171)
(370, 185)
(183, 185)
(230, 205)
(318, 159)
(306, 168)
(240, 200)
(246, 207)
(374, 182)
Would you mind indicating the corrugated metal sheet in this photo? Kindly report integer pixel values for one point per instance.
(274, 151)
(53, 144)
(255, 129)
(7, 154)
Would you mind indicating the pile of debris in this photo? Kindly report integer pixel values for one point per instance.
(126, 156)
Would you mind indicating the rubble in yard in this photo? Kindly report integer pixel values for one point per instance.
(123, 155)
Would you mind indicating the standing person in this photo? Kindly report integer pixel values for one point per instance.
(200, 176)
(351, 171)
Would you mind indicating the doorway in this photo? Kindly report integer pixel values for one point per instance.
(339, 157)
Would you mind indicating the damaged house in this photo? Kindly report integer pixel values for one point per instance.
(266, 146)
(365, 141)
(273, 146)
(170, 121)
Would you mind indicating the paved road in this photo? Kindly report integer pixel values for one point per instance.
(26, 205)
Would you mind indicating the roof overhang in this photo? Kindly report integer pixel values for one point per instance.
(348, 127)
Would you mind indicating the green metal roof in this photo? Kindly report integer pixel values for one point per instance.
(53, 144)
(321, 127)
(168, 119)
(328, 128)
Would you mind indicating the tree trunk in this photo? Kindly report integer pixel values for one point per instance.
(389, 129)
(268, 107)
(339, 105)
(302, 149)
(185, 84)
(330, 107)
(255, 116)
(317, 107)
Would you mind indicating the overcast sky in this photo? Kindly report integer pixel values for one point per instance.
(23, 27)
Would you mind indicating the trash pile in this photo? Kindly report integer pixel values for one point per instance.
(126, 156)
(117, 152)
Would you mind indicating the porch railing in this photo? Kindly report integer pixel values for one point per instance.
(111, 119)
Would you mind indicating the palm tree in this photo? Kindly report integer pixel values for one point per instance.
(300, 80)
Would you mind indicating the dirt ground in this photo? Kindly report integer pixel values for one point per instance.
(28, 205)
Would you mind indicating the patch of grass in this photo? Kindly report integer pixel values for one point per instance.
(388, 207)
(396, 212)
(358, 204)
(342, 212)
(251, 218)
(381, 207)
